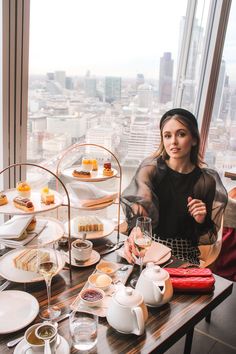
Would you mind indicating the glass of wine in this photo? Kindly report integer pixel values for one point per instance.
(142, 241)
(48, 261)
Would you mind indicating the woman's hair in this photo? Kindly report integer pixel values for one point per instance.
(190, 122)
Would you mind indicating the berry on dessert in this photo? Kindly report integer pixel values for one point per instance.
(23, 203)
(107, 170)
(81, 173)
(3, 199)
(47, 196)
(23, 189)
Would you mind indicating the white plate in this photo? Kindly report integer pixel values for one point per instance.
(108, 228)
(63, 347)
(164, 259)
(96, 176)
(9, 272)
(18, 309)
(52, 232)
(39, 207)
(95, 257)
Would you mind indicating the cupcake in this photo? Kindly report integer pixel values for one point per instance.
(24, 189)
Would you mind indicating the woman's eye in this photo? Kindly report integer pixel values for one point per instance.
(167, 136)
(182, 134)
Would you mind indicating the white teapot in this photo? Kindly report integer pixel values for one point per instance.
(155, 285)
(127, 312)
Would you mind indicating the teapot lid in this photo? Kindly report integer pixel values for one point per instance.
(155, 272)
(127, 296)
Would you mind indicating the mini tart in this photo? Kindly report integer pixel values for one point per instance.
(47, 196)
(3, 199)
(24, 189)
(81, 173)
(108, 172)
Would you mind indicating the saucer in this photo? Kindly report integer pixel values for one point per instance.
(95, 257)
(23, 347)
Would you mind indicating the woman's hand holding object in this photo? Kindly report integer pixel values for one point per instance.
(197, 209)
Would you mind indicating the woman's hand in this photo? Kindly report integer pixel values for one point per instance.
(197, 209)
(130, 251)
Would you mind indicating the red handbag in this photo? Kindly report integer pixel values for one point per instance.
(191, 279)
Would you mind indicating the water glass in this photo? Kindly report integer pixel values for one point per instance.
(83, 330)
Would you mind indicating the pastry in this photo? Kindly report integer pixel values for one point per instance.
(95, 165)
(47, 196)
(28, 259)
(3, 199)
(107, 170)
(31, 225)
(24, 189)
(81, 173)
(87, 164)
(23, 203)
(89, 223)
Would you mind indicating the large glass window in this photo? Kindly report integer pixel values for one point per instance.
(221, 149)
(101, 72)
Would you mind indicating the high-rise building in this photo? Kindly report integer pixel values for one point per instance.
(166, 78)
(145, 96)
(90, 86)
(69, 83)
(112, 88)
(60, 77)
(139, 80)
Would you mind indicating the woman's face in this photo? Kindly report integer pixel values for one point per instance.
(177, 139)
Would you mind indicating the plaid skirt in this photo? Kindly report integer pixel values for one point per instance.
(181, 249)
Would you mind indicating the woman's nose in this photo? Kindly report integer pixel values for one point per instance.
(173, 139)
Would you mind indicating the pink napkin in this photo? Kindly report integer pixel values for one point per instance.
(157, 253)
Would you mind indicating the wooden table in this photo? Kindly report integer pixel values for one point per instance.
(165, 325)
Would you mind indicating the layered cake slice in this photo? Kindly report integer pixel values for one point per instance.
(81, 173)
(47, 196)
(89, 223)
(28, 259)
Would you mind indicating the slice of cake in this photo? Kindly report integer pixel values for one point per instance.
(47, 196)
(28, 259)
(89, 223)
(23, 203)
(81, 173)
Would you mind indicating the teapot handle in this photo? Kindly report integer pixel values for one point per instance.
(157, 290)
(140, 320)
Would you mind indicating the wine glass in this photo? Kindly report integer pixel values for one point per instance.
(48, 260)
(142, 241)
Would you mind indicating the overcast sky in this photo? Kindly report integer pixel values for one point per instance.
(107, 37)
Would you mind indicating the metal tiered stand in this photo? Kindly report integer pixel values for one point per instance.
(75, 148)
(51, 206)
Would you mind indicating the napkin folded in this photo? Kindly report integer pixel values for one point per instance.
(13, 228)
(13, 243)
(88, 195)
(157, 253)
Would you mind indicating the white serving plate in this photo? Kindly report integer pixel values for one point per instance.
(18, 309)
(9, 272)
(35, 197)
(108, 228)
(96, 176)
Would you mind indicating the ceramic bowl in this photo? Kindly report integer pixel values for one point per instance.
(100, 281)
(92, 297)
(108, 268)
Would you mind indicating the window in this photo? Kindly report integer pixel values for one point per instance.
(221, 148)
(101, 72)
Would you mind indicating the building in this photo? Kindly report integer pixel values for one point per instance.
(166, 78)
(112, 89)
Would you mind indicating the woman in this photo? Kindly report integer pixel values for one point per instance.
(184, 200)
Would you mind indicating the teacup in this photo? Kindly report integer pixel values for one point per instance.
(81, 249)
(36, 344)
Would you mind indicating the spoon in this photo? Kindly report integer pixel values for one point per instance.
(46, 332)
(84, 236)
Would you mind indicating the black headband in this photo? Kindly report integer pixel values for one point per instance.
(180, 112)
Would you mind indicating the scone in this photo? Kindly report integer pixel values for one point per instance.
(3, 199)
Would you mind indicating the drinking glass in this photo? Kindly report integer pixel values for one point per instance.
(48, 260)
(142, 241)
(83, 330)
